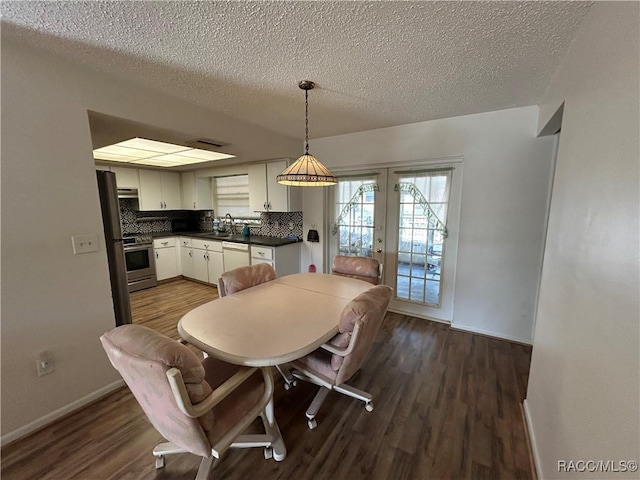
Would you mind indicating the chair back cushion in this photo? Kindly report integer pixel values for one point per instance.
(370, 308)
(362, 268)
(143, 356)
(246, 277)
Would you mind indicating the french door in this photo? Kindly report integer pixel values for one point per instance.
(408, 220)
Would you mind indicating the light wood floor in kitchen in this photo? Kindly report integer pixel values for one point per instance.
(447, 406)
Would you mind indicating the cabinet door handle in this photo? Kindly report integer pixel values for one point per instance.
(194, 205)
(191, 254)
(157, 255)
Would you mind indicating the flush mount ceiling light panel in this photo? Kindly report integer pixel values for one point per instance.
(307, 171)
(141, 151)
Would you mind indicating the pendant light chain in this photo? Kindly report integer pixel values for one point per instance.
(306, 121)
(306, 171)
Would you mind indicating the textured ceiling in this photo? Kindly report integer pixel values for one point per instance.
(376, 64)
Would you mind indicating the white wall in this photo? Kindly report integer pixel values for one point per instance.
(51, 299)
(504, 205)
(583, 395)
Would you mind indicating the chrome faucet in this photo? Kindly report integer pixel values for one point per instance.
(228, 220)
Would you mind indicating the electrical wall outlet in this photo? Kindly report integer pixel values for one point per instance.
(45, 363)
(84, 243)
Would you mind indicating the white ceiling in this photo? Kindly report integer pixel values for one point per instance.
(376, 64)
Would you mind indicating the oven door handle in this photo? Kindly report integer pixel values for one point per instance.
(137, 248)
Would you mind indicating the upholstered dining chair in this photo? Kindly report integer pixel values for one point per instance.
(245, 277)
(362, 268)
(199, 407)
(338, 360)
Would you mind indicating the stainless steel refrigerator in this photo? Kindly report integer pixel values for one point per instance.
(115, 250)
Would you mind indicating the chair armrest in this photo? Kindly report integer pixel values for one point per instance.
(344, 351)
(222, 292)
(182, 397)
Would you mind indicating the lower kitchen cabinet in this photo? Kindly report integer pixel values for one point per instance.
(166, 258)
(208, 263)
(186, 257)
(285, 260)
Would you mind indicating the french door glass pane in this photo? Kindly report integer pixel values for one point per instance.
(422, 216)
(355, 218)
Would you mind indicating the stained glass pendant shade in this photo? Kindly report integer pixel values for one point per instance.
(307, 171)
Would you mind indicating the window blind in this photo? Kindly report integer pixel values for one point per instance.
(232, 196)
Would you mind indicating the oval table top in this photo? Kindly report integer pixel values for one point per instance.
(272, 323)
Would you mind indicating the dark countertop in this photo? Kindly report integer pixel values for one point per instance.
(250, 240)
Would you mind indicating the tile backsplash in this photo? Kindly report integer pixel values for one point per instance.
(279, 224)
(134, 221)
(272, 224)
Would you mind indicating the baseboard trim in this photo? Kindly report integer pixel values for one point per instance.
(57, 414)
(531, 441)
(487, 333)
(415, 315)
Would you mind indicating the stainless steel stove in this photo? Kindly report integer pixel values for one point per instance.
(141, 265)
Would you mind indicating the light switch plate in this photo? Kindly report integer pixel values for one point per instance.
(84, 243)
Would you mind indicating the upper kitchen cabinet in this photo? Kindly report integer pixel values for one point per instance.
(159, 190)
(267, 195)
(196, 192)
(126, 177)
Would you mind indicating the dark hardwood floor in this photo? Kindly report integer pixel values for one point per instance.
(447, 406)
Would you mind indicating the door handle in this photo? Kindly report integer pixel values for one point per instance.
(379, 250)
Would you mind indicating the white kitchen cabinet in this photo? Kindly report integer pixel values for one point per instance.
(215, 266)
(171, 194)
(166, 258)
(159, 190)
(126, 177)
(285, 259)
(266, 194)
(186, 257)
(196, 192)
(208, 263)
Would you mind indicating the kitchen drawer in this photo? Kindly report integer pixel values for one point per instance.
(164, 242)
(211, 245)
(185, 242)
(263, 253)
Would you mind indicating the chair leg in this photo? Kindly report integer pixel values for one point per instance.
(366, 397)
(271, 427)
(162, 449)
(315, 406)
(205, 467)
(289, 380)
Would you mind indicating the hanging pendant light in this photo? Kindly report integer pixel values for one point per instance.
(307, 171)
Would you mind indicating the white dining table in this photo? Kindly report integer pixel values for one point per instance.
(274, 322)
